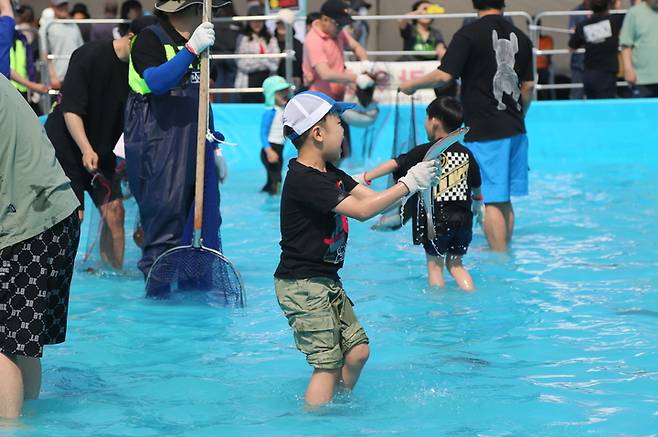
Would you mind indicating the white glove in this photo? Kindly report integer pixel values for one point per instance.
(477, 207)
(202, 38)
(364, 81)
(366, 66)
(421, 176)
(220, 164)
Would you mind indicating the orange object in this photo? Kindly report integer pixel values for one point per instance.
(545, 43)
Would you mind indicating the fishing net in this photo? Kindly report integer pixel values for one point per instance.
(188, 269)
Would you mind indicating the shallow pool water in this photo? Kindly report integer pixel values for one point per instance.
(559, 339)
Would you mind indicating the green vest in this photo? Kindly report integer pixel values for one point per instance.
(18, 62)
(136, 82)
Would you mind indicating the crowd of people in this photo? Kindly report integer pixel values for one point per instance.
(36, 39)
(142, 80)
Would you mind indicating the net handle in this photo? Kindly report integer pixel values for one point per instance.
(202, 127)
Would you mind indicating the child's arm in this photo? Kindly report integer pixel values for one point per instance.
(33, 86)
(477, 205)
(383, 169)
(265, 125)
(364, 203)
(475, 182)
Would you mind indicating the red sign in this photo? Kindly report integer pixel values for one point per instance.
(284, 4)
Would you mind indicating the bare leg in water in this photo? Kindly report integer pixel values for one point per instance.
(112, 233)
(435, 271)
(323, 383)
(21, 380)
(499, 225)
(461, 275)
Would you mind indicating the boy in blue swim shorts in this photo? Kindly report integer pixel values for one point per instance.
(456, 197)
(316, 201)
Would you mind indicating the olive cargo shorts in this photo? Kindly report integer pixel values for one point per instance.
(322, 319)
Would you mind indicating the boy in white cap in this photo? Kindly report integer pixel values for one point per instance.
(316, 200)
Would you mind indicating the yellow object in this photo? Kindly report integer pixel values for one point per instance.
(435, 9)
(18, 63)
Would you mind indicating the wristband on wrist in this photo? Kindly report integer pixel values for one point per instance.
(478, 198)
(189, 47)
(366, 180)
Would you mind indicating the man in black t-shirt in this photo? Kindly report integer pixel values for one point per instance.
(84, 127)
(316, 200)
(494, 60)
(453, 209)
(599, 34)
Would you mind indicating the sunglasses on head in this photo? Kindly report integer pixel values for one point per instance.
(337, 24)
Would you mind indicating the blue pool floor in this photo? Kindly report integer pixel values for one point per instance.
(559, 339)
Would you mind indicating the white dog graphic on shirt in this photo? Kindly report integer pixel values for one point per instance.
(506, 81)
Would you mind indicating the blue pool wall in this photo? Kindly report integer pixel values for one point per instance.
(567, 133)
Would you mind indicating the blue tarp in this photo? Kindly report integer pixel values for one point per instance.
(571, 132)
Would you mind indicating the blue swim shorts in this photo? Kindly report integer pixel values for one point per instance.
(503, 167)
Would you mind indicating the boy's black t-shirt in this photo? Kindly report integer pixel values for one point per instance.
(313, 236)
(460, 173)
(492, 64)
(599, 35)
(96, 89)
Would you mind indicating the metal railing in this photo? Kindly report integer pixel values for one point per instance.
(535, 32)
(46, 101)
(289, 55)
(371, 53)
(382, 53)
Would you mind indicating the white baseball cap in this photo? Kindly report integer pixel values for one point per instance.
(307, 108)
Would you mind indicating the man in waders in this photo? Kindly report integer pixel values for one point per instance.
(161, 129)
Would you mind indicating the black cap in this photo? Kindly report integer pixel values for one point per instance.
(338, 10)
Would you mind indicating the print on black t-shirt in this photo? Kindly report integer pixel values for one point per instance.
(493, 58)
(337, 242)
(505, 80)
(453, 183)
(599, 34)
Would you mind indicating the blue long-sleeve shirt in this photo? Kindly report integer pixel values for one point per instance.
(271, 127)
(166, 76)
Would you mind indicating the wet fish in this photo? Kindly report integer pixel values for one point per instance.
(637, 312)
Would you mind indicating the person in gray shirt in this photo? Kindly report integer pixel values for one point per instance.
(39, 234)
(59, 39)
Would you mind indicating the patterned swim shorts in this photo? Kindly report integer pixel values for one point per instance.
(35, 276)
